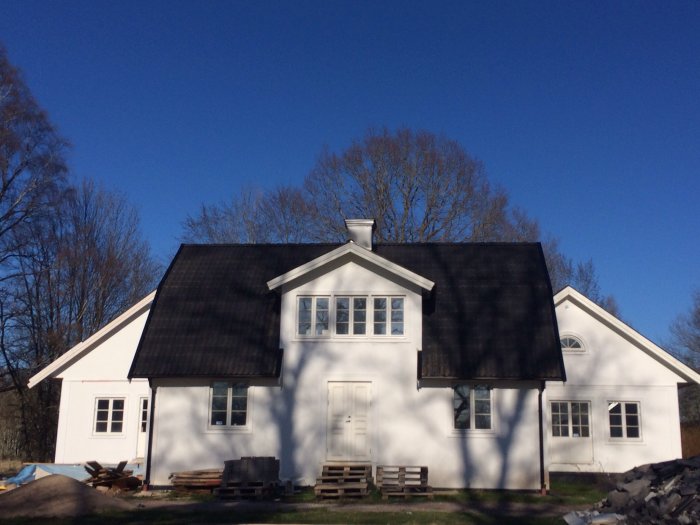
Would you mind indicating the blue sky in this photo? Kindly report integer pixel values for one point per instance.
(588, 113)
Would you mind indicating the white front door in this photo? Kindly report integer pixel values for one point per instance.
(348, 421)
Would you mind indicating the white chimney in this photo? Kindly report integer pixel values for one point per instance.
(360, 231)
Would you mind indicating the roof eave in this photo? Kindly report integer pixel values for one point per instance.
(629, 333)
(59, 365)
(351, 248)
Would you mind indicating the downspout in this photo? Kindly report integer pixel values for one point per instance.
(149, 449)
(543, 485)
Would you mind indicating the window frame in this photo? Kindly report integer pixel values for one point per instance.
(314, 316)
(623, 421)
(472, 409)
(581, 349)
(144, 403)
(570, 418)
(110, 421)
(231, 384)
(369, 314)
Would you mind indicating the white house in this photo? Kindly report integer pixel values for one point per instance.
(445, 355)
(619, 405)
(102, 415)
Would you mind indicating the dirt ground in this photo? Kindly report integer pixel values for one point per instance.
(57, 496)
(60, 496)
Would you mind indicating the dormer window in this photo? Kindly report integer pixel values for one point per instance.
(572, 344)
(342, 316)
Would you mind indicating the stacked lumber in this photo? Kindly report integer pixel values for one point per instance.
(658, 493)
(111, 478)
(344, 481)
(205, 480)
(250, 478)
(403, 481)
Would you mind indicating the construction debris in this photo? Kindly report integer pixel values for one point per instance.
(250, 478)
(196, 480)
(659, 493)
(108, 478)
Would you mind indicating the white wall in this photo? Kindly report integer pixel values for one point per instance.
(101, 373)
(407, 425)
(613, 368)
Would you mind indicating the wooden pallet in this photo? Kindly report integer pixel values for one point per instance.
(250, 490)
(345, 473)
(403, 481)
(344, 481)
(342, 490)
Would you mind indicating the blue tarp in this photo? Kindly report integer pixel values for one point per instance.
(29, 472)
(23, 476)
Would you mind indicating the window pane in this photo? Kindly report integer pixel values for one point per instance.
(482, 406)
(304, 316)
(397, 328)
(322, 303)
(218, 403)
(116, 426)
(630, 408)
(359, 305)
(632, 432)
(322, 315)
(117, 415)
(239, 390)
(482, 421)
(380, 303)
(239, 403)
(616, 432)
(102, 415)
(220, 388)
(379, 316)
(218, 418)
(238, 418)
(342, 315)
(461, 407)
(118, 404)
(102, 404)
(101, 427)
(397, 303)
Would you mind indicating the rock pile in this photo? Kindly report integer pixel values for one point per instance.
(659, 493)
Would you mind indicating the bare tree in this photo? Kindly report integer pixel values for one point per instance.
(685, 334)
(253, 216)
(419, 187)
(75, 270)
(32, 167)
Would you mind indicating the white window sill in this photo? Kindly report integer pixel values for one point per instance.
(472, 433)
(223, 429)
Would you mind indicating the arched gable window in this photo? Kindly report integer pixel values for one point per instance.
(569, 343)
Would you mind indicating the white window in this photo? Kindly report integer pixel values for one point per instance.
(625, 419)
(571, 419)
(388, 315)
(228, 405)
(569, 343)
(143, 422)
(472, 407)
(313, 316)
(350, 315)
(109, 415)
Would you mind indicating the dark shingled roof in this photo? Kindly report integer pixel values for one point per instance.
(489, 316)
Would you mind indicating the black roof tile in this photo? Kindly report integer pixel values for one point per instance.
(489, 316)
